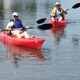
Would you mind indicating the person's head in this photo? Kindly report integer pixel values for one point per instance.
(57, 5)
(15, 15)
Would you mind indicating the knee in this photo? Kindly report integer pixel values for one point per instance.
(53, 18)
(16, 33)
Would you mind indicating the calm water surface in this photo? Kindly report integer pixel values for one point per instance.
(59, 57)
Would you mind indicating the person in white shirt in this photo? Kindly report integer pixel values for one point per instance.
(16, 24)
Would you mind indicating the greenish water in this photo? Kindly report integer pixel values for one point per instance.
(58, 60)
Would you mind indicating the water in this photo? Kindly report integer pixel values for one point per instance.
(57, 60)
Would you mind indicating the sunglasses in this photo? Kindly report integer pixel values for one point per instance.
(58, 5)
(15, 16)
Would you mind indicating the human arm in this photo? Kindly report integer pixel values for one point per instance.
(53, 14)
(65, 12)
(25, 27)
(10, 25)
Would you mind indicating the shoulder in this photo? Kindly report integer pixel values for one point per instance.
(11, 19)
(54, 9)
(19, 20)
(11, 23)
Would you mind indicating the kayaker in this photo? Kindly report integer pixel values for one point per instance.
(16, 23)
(58, 13)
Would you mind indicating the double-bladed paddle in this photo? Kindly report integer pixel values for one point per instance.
(43, 19)
(42, 27)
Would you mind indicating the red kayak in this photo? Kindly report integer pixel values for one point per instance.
(35, 43)
(58, 23)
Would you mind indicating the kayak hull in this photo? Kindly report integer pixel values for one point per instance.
(58, 23)
(35, 43)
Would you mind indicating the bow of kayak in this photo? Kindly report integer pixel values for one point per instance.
(35, 43)
(58, 23)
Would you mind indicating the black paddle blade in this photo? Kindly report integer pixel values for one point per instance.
(76, 5)
(45, 26)
(41, 20)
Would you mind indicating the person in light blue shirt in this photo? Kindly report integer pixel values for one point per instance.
(58, 13)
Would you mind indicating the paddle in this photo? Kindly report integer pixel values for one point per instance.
(43, 19)
(42, 27)
(45, 26)
(74, 6)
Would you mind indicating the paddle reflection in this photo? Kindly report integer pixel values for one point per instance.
(18, 53)
(58, 33)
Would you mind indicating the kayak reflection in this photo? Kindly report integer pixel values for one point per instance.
(18, 53)
(58, 33)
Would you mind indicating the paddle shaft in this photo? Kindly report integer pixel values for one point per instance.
(14, 29)
(42, 27)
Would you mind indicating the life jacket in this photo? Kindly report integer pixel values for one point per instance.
(17, 23)
(55, 10)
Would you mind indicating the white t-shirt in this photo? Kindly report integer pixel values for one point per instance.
(10, 24)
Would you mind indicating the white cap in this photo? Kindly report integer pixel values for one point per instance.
(57, 3)
(15, 14)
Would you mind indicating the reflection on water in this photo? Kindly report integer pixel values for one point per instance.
(58, 33)
(25, 8)
(29, 10)
(19, 5)
(52, 62)
(75, 39)
(17, 53)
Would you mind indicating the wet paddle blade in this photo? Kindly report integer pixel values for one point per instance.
(41, 20)
(45, 26)
(76, 5)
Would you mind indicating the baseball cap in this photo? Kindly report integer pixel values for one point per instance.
(57, 3)
(15, 14)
